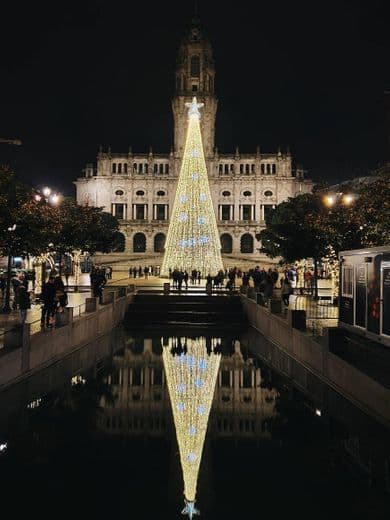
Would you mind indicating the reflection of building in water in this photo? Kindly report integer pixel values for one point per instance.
(241, 406)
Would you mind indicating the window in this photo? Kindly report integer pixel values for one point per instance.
(246, 212)
(194, 88)
(113, 167)
(247, 193)
(195, 66)
(119, 211)
(226, 193)
(119, 193)
(263, 168)
(347, 285)
(140, 212)
(225, 378)
(246, 243)
(273, 168)
(268, 193)
(267, 210)
(140, 193)
(160, 211)
(139, 243)
(125, 168)
(225, 212)
(159, 243)
(160, 193)
(119, 167)
(226, 243)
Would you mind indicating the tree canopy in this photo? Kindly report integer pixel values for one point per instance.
(30, 226)
(304, 227)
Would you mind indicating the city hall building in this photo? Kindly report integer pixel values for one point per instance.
(139, 189)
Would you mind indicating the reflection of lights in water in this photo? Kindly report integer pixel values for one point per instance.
(78, 380)
(34, 404)
(3, 447)
(191, 367)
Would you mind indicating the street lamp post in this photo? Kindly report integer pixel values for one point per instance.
(7, 308)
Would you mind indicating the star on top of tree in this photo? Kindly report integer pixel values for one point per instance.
(193, 107)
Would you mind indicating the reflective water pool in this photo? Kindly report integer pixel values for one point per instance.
(134, 426)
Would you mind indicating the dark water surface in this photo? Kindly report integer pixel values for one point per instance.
(93, 436)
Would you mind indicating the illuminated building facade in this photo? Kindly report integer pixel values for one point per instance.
(139, 189)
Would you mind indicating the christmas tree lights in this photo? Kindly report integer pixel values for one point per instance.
(193, 240)
(191, 373)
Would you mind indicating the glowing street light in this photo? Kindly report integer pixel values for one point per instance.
(54, 199)
(46, 191)
(329, 200)
(347, 199)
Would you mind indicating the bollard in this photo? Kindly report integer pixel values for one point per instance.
(260, 300)
(297, 319)
(91, 304)
(275, 306)
(167, 287)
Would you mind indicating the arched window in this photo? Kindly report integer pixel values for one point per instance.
(119, 242)
(246, 243)
(139, 243)
(159, 243)
(195, 66)
(226, 243)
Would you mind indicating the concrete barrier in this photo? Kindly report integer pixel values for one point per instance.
(363, 391)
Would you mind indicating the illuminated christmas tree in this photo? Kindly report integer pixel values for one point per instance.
(191, 372)
(193, 239)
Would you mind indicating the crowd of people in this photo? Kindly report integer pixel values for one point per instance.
(139, 272)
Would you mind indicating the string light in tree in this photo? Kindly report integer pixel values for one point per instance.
(193, 240)
(191, 374)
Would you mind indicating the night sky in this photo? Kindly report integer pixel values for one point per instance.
(76, 75)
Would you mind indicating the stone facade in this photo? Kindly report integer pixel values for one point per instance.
(139, 189)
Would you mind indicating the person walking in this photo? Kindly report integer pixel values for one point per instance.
(24, 303)
(199, 277)
(185, 278)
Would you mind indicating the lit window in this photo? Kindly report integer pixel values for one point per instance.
(347, 282)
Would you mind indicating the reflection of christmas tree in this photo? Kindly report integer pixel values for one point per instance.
(193, 240)
(191, 374)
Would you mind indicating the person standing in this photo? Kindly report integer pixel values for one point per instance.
(286, 290)
(146, 272)
(48, 297)
(24, 303)
(185, 278)
(199, 277)
(67, 274)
